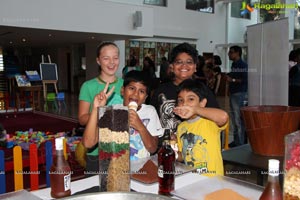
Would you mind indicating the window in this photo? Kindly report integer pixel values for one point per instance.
(200, 5)
(156, 2)
(239, 9)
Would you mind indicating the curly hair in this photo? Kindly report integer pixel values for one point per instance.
(184, 48)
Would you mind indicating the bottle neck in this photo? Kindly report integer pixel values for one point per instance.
(60, 156)
(273, 178)
(166, 142)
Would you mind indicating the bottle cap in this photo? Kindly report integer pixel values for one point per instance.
(133, 105)
(59, 143)
(273, 167)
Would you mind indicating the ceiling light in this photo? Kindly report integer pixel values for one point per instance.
(23, 40)
(93, 37)
(10, 42)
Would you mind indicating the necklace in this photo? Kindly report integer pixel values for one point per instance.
(100, 79)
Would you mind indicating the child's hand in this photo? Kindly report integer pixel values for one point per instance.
(184, 112)
(173, 143)
(101, 98)
(134, 120)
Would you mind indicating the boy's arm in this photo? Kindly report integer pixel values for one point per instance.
(220, 117)
(179, 158)
(149, 141)
(90, 136)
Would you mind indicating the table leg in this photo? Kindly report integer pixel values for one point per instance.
(39, 102)
(33, 102)
(55, 87)
(45, 91)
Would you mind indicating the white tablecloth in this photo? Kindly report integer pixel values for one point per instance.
(197, 185)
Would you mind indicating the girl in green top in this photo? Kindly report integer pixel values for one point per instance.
(108, 60)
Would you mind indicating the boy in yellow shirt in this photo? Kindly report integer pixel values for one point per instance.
(199, 135)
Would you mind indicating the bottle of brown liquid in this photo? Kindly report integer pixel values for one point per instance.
(273, 190)
(60, 173)
(166, 166)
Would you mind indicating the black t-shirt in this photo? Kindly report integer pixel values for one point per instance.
(164, 100)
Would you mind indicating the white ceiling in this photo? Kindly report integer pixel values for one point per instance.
(13, 36)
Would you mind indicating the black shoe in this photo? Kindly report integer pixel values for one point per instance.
(232, 144)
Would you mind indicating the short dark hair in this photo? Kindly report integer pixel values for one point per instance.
(132, 61)
(237, 49)
(184, 48)
(217, 60)
(196, 86)
(104, 44)
(137, 76)
(293, 55)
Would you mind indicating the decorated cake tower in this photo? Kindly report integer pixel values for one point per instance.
(114, 165)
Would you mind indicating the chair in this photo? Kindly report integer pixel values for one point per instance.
(51, 98)
(60, 97)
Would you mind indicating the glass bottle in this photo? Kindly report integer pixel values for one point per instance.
(273, 190)
(166, 166)
(60, 173)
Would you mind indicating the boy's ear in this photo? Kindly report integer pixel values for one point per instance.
(97, 60)
(171, 67)
(203, 102)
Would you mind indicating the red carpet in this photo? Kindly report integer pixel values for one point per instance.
(38, 121)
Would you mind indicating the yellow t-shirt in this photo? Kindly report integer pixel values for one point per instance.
(200, 145)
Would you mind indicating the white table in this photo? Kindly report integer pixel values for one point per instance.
(193, 180)
(83, 184)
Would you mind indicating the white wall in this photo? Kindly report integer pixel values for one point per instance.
(180, 23)
(268, 63)
(173, 21)
(238, 26)
(76, 15)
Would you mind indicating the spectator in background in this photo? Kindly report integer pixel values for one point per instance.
(164, 70)
(132, 65)
(217, 62)
(238, 86)
(149, 67)
(294, 81)
(292, 58)
(209, 75)
(199, 69)
(217, 73)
